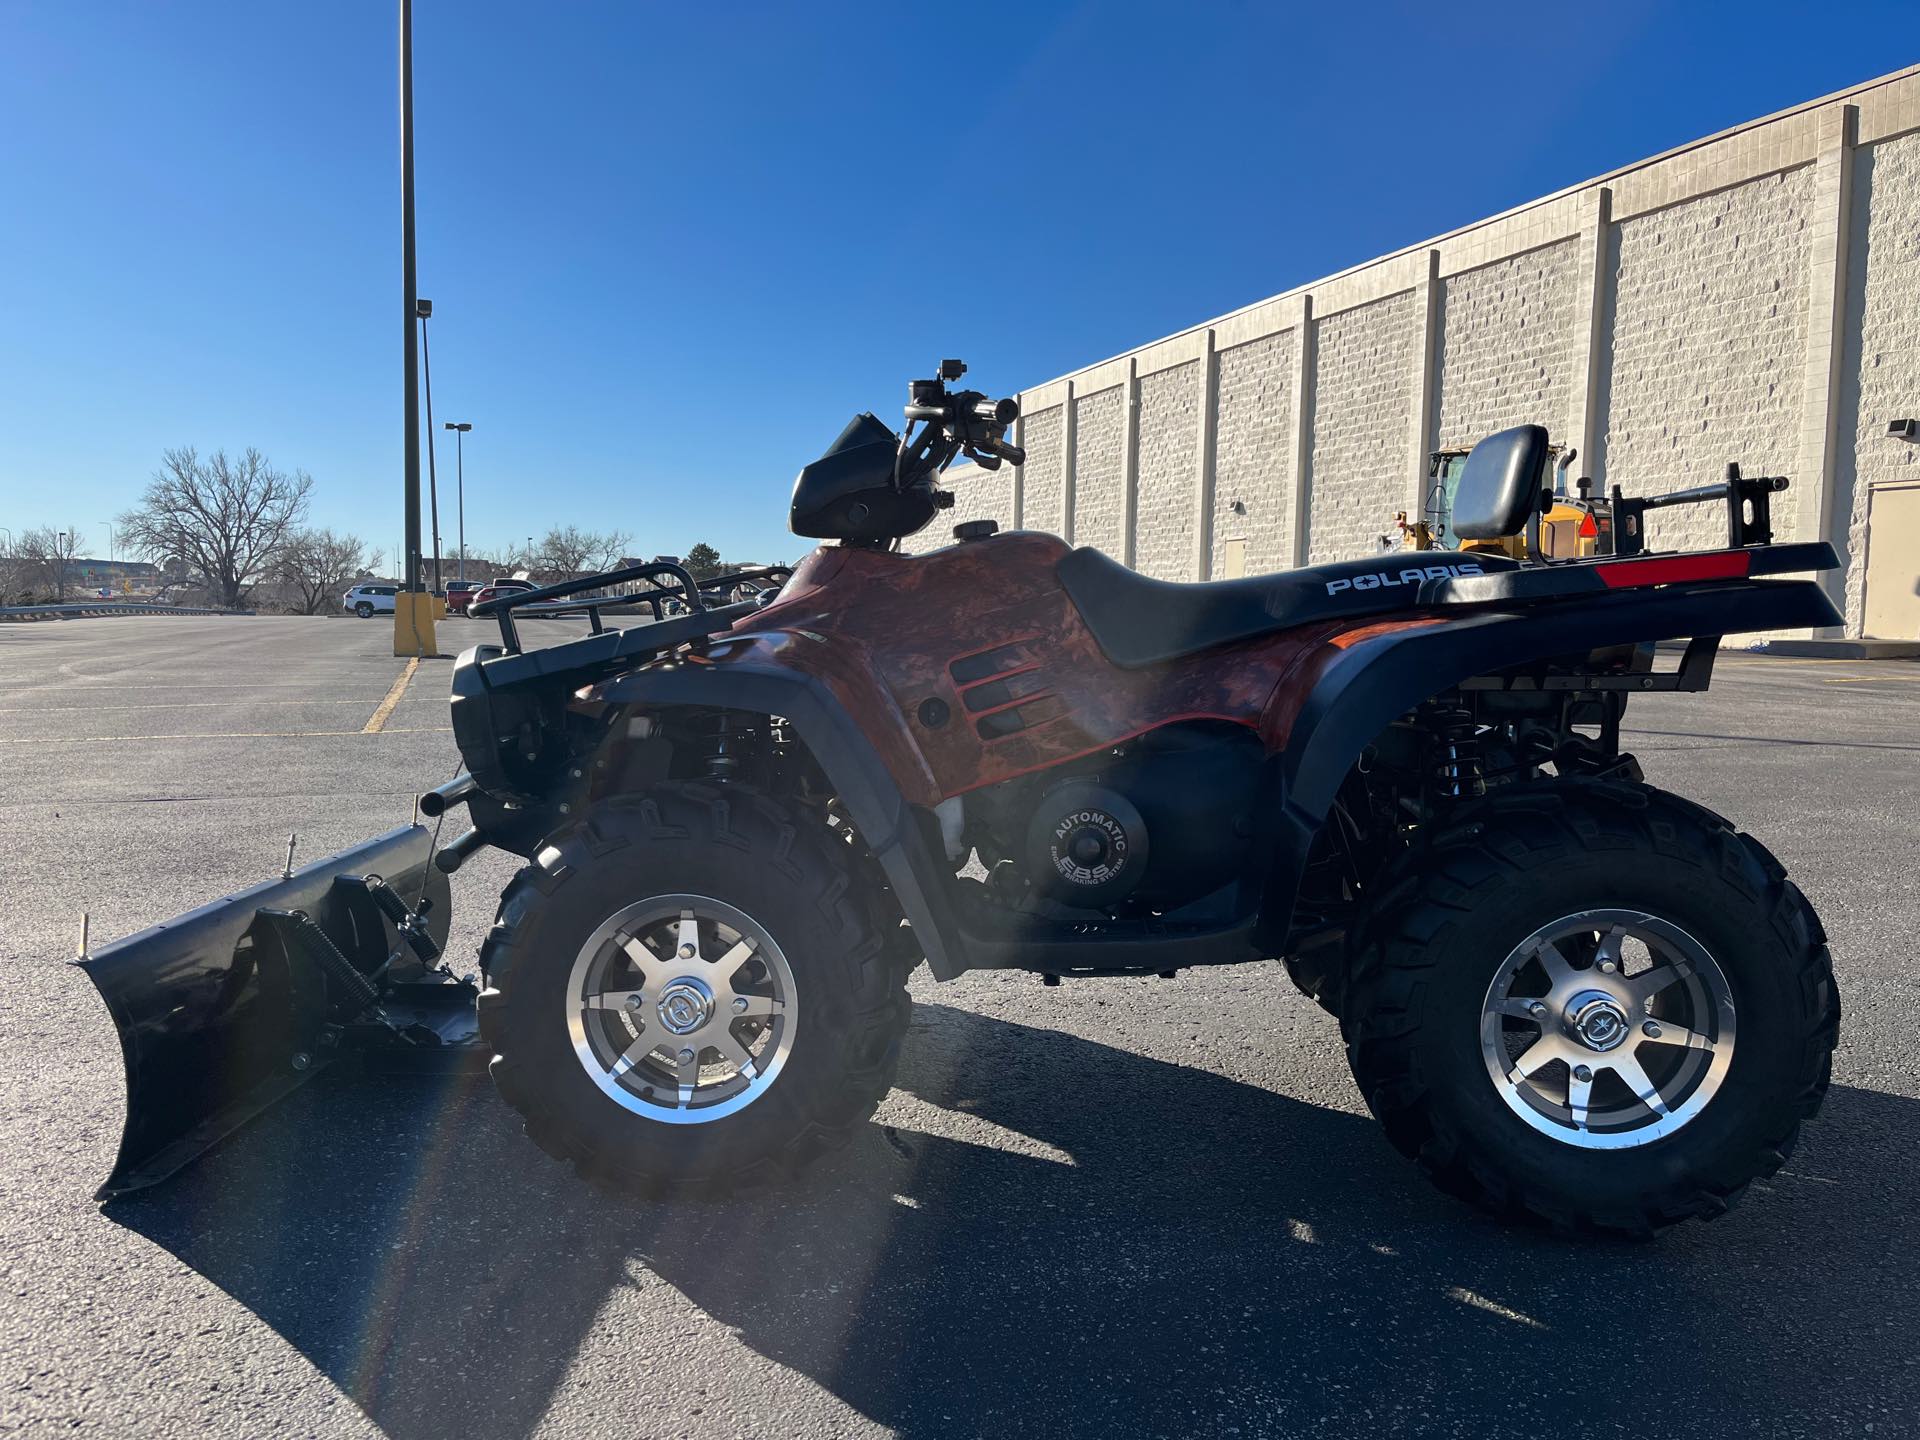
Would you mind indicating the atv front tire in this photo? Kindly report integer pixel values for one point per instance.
(688, 993)
(1592, 1005)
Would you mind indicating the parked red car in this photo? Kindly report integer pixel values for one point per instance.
(491, 590)
(460, 595)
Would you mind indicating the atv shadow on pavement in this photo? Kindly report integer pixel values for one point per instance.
(1098, 1243)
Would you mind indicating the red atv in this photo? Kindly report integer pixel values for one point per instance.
(1570, 996)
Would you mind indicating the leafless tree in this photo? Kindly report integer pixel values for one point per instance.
(43, 560)
(573, 549)
(317, 565)
(229, 520)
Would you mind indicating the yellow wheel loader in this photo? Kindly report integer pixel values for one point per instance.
(1570, 528)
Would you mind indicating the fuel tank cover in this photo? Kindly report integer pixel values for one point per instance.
(975, 529)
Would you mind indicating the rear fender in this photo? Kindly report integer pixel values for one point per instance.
(1357, 691)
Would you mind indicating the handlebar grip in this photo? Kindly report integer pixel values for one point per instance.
(1013, 454)
(998, 412)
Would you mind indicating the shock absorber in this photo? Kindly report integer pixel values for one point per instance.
(1457, 772)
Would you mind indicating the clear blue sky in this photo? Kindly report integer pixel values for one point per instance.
(673, 247)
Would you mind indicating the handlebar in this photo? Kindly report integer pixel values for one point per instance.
(967, 421)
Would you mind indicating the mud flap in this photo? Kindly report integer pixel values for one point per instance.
(223, 1011)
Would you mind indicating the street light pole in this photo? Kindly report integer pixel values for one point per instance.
(410, 301)
(460, 483)
(433, 479)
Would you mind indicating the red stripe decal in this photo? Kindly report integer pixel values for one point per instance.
(1716, 565)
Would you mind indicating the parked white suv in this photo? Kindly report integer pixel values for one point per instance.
(367, 601)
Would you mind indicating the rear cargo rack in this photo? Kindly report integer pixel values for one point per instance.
(1749, 503)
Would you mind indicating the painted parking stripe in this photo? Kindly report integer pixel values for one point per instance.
(377, 721)
(225, 735)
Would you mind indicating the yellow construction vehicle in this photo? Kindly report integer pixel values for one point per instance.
(1573, 527)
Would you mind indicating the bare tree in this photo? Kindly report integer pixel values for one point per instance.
(573, 549)
(317, 565)
(44, 560)
(229, 520)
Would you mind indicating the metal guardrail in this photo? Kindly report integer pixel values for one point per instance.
(102, 608)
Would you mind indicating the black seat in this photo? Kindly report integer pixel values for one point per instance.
(1140, 621)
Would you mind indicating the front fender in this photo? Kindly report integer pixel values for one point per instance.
(763, 674)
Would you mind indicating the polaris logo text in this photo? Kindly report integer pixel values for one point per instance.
(1411, 576)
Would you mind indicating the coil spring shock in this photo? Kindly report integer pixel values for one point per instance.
(1457, 772)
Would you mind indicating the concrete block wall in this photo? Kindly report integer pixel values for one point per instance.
(1509, 334)
(1749, 297)
(1099, 450)
(1164, 513)
(1045, 471)
(1709, 336)
(1253, 480)
(1363, 381)
(1882, 352)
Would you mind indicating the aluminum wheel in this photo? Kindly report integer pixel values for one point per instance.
(681, 1009)
(1608, 1028)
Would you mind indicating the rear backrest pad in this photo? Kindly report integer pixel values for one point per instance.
(1500, 484)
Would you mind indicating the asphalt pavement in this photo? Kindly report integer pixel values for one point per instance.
(1118, 1207)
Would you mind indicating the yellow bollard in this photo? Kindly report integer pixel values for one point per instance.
(413, 616)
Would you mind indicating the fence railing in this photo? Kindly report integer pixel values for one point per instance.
(97, 609)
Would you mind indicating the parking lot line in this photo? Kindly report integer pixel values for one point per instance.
(170, 705)
(377, 721)
(225, 735)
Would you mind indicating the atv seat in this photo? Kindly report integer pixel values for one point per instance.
(1139, 621)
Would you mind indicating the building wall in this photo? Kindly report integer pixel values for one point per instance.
(1882, 355)
(1709, 344)
(1253, 476)
(1508, 341)
(1363, 397)
(1045, 500)
(1099, 446)
(1164, 515)
(1748, 297)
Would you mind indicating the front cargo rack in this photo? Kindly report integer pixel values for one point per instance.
(689, 595)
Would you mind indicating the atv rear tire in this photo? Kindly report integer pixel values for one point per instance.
(1428, 1028)
(724, 852)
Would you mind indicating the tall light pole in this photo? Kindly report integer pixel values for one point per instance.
(413, 610)
(410, 305)
(460, 484)
(433, 479)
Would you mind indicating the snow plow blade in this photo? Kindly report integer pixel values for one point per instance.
(227, 1009)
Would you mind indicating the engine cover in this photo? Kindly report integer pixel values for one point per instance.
(1087, 846)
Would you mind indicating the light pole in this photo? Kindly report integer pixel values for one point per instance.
(411, 564)
(460, 483)
(425, 310)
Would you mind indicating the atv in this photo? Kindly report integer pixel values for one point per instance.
(1571, 997)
